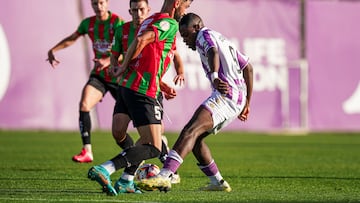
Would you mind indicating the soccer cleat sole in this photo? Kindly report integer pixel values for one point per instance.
(150, 185)
(81, 161)
(223, 186)
(105, 184)
(146, 187)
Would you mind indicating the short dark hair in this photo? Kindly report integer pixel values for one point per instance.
(132, 1)
(190, 18)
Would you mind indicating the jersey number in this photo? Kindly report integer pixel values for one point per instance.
(236, 65)
(157, 111)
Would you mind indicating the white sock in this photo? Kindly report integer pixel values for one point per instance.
(166, 173)
(126, 176)
(215, 180)
(87, 147)
(109, 166)
(174, 155)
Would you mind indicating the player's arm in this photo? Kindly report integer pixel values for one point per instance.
(214, 64)
(102, 63)
(115, 57)
(168, 91)
(135, 49)
(117, 48)
(179, 68)
(248, 77)
(68, 41)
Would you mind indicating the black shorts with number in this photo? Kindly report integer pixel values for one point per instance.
(103, 86)
(142, 109)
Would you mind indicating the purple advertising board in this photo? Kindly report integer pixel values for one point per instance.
(333, 53)
(35, 96)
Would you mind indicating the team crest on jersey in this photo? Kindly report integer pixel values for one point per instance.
(165, 25)
(217, 100)
(102, 46)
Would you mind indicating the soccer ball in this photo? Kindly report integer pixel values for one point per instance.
(146, 171)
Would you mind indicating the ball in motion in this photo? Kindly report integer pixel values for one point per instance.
(146, 171)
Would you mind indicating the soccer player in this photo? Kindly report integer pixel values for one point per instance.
(231, 78)
(100, 29)
(147, 59)
(124, 35)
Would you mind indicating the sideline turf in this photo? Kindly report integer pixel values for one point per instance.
(36, 166)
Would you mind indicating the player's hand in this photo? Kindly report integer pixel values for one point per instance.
(244, 115)
(116, 71)
(221, 86)
(179, 79)
(52, 60)
(168, 91)
(101, 63)
(172, 95)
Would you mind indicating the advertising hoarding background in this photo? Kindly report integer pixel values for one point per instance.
(34, 96)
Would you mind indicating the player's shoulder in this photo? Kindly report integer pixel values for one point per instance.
(89, 18)
(127, 24)
(124, 26)
(167, 24)
(172, 21)
(116, 19)
(206, 32)
(163, 17)
(116, 16)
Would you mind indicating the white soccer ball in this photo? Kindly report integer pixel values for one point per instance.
(146, 171)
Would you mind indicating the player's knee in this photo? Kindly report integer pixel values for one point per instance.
(84, 106)
(118, 134)
(118, 130)
(188, 134)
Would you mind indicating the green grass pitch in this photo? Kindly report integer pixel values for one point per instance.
(36, 166)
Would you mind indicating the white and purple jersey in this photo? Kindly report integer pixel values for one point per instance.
(232, 62)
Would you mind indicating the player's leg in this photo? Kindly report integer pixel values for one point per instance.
(122, 138)
(125, 184)
(199, 123)
(101, 173)
(129, 159)
(208, 166)
(164, 149)
(146, 115)
(120, 122)
(222, 114)
(148, 123)
(214, 113)
(175, 178)
(92, 94)
(164, 146)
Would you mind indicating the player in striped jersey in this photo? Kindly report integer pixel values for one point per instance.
(101, 29)
(139, 11)
(231, 78)
(147, 59)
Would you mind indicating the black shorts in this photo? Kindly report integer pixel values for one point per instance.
(103, 86)
(142, 109)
